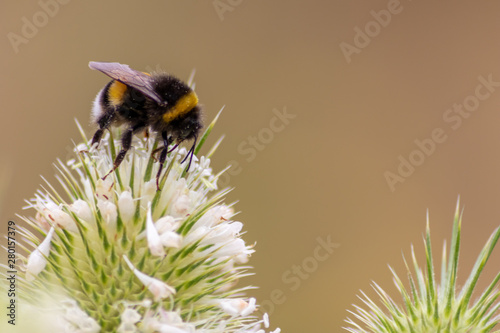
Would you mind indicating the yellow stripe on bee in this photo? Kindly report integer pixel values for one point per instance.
(185, 104)
(115, 93)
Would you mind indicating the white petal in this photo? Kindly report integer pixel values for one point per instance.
(238, 307)
(170, 317)
(89, 325)
(265, 318)
(81, 320)
(126, 206)
(154, 242)
(82, 209)
(127, 328)
(87, 187)
(195, 235)
(243, 257)
(215, 215)
(55, 214)
(104, 188)
(149, 190)
(181, 206)
(251, 307)
(165, 328)
(223, 233)
(158, 288)
(37, 259)
(42, 221)
(108, 212)
(130, 316)
(171, 239)
(235, 247)
(82, 147)
(166, 223)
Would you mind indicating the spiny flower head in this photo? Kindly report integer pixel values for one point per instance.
(431, 306)
(118, 255)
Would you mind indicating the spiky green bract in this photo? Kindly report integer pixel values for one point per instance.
(432, 306)
(118, 255)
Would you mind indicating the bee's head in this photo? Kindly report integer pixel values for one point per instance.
(187, 127)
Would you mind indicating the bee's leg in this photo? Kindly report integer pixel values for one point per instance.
(103, 123)
(190, 152)
(163, 156)
(126, 143)
(157, 150)
(154, 152)
(97, 136)
(175, 146)
(146, 136)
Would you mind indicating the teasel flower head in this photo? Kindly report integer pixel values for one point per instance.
(118, 255)
(430, 305)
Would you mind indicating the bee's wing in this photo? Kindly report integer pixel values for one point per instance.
(129, 77)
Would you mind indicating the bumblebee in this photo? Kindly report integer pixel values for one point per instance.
(140, 101)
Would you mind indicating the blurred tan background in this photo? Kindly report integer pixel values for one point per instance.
(356, 102)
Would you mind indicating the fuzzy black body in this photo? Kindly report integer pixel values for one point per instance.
(138, 101)
(131, 111)
(171, 90)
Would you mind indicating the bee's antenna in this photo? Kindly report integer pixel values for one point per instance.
(190, 152)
